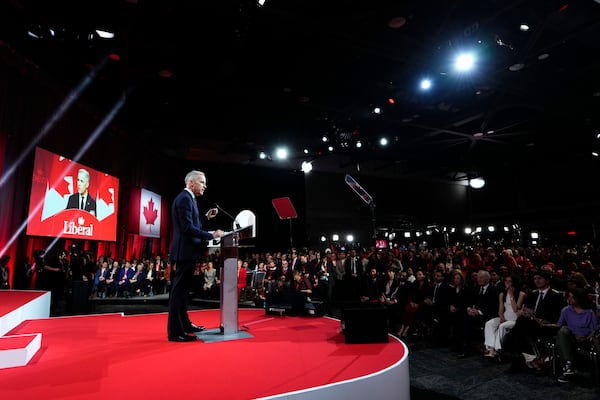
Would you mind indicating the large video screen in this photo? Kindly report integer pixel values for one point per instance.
(71, 200)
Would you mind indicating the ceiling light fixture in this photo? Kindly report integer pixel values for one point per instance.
(516, 67)
(477, 183)
(307, 166)
(464, 62)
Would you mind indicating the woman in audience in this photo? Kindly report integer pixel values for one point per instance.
(510, 301)
(461, 297)
(210, 281)
(416, 294)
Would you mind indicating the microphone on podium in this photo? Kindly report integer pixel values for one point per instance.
(237, 224)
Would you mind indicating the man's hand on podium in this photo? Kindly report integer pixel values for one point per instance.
(218, 233)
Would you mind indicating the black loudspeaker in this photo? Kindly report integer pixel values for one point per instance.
(365, 323)
(77, 300)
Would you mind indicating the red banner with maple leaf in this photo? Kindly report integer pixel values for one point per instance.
(150, 214)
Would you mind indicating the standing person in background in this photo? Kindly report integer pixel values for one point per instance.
(22, 274)
(189, 240)
(4, 272)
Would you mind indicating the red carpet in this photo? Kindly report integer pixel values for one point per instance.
(108, 356)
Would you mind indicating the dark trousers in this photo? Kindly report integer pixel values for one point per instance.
(521, 337)
(178, 319)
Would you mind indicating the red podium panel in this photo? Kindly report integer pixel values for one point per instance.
(284, 207)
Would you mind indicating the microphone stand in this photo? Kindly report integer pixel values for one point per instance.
(237, 224)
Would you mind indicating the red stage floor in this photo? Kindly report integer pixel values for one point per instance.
(103, 356)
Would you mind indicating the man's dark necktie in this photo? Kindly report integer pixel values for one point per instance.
(539, 299)
(82, 203)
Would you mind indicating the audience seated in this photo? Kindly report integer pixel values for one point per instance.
(448, 308)
(137, 280)
(390, 299)
(415, 297)
(436, 307)
(124, 274)
(371, 287)
(211, 284)
(461, 297)
(484, 307)
(301, 290)
(535, 321)
(510, 301)
(100, 280)
(577, 324)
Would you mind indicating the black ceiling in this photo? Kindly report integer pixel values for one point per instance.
(220, 80)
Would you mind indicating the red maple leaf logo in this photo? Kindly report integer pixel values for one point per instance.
(150, 213)
(105, 195)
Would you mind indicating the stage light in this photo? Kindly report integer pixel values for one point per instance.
(307, 166)
(323, 238)
(464, 62)
(468, 230)
(535, 235)
(281, 153)
(425, 84)
(262, 155)
(491, 228)
(406, 234)
(103, 34)
(477, 183)
(383, 141)
(358, 144)
(335, 237)
(349, 238)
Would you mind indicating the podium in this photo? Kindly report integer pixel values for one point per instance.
(230, 245)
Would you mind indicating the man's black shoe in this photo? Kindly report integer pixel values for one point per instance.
(196, 328)
(185, 338)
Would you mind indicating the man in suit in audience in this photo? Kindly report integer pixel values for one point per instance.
(537, 320)
(485, 307)
(436, 306)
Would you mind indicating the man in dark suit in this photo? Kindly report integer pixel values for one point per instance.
(485, 306)
(82, 198)
(435, 313)
(537, 320)
(353, 277)
(189, 239)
